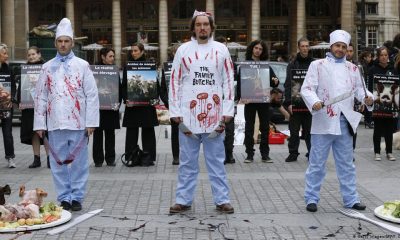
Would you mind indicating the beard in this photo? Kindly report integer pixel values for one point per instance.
(203, 37)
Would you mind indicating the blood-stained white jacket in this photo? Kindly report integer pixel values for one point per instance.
(66, 95)
(328, 78)
(201, 85)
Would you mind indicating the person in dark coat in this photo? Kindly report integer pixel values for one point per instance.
(144, 117)
(174, 125)
(109, 121)
(6, 115)
(27, 135)
(257, 51)
(300, 115)
(383, 126)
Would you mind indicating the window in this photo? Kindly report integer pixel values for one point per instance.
(371, 37)
(139, 10)
(52, 12)
(370, 8)
(274, 8)
(183, 9)
(317, 8)
(230, 8)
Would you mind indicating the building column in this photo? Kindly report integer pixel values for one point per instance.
(255, 20)
(347, 17)
(70, 12)
(298, 15)
(163, 30)
(116, 30)
(7, 24)
(210, 7)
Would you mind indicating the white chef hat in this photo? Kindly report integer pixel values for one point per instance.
(64, 28)
(339, 36)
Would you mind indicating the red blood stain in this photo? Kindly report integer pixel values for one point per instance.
(49, 83)
(202, 96)
(201, 116)
(209, 106)
(329, 111)
(77, 105)
(216, 99)
(70, 87)
(193, 104)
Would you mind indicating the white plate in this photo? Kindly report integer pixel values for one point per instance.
(378, 213)
(65, 217)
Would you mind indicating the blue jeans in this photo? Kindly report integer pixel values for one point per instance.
(189, 167)
(342, 147)
(69, 180)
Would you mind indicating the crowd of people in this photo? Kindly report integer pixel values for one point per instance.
(66, 112)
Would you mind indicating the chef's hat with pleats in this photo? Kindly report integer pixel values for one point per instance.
(339, 36)
(64, 28)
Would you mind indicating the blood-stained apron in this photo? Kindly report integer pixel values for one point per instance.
(202, 97)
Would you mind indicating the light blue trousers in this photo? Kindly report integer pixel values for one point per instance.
(69, 180)
(214, 154)
(342, 147)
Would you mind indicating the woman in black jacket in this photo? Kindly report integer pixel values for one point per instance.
(109, 121)
(257, 51)
(139, 116)
(6, 110)
(27, 135)
(383, 126)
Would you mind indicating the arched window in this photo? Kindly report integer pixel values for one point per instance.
(317, 8)
(183, 9)
(98, 10)
(141, 10)
(274, 8)
(230, 8)
(51, 12)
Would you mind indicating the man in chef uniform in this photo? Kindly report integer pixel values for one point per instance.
(201, 98)
(334, 124)
(67, 106)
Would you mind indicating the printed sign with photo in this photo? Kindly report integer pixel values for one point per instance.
(107, 80)
(298, 76)
(141, 83)
(5, 92)
(254, 82)
(386, 90)
(29, 77)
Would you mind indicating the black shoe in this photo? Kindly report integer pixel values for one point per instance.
(175, 161)
(291, 158)
(65, 205)
(359, 206)
(36, 162)
(98, 164)
(48, 161)
(112, 164)
(249, 159)
(312, 207)
(266, 159)
(231, 161)
(76, 206)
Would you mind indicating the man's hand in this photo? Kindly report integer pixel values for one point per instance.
(275, 80)
(368, 101)
(317, 106)
(89, 131)
(227, 119)
(40, 133)
(289, 108)
(177, 119)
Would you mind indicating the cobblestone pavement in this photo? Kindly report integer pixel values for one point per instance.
(267, 197)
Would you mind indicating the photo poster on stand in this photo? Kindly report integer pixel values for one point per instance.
(141, 83)
(254, 82)
(5, 92)
(107, 81)
(298, 76)
(29, 77)
(386, 90)
(161, 109)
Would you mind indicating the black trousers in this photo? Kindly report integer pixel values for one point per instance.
(229, 136)
(299, 120)
(383, 127)
(6, 127)
(148, 140)
(175, 139)
(99, 155)
(250, 111)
